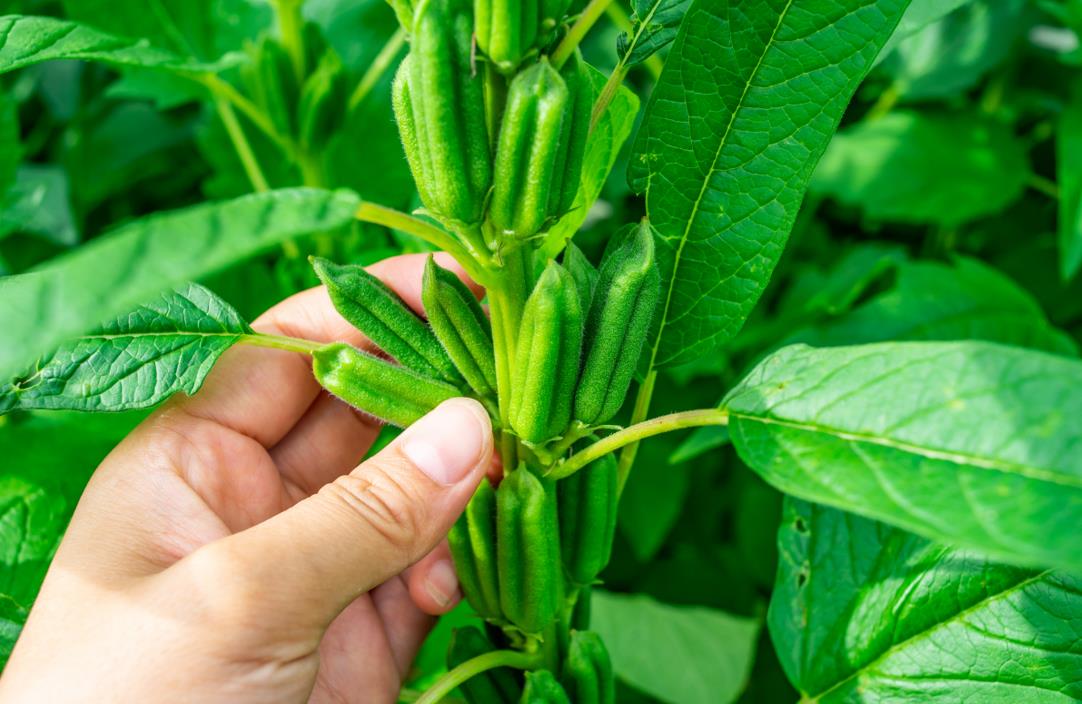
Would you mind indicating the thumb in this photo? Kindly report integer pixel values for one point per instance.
(369, 525)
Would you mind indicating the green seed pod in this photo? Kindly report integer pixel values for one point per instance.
(473, 547)
(528, 547)
(527, 151)
(403, 9)
(552, 13)
(497, 686)
(567, 171)
(588, 500)
(389, 392)
(377, 311)
(546, 358)
(439, 105)
(583, 272)
(323, 102)
(588, 675)
(506, 30)
(272, 82)
(618, 323)
(461, 326)
(543, 688)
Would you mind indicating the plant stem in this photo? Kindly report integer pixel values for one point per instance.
(578, 31)
(1043, 185)
(506, 299)
(608, 92)
(887, 100)
(240, 143)
(475, 666)
(291, 25)
(620, 18)
(638, 415)
(637, 432)
(278, 342)
(377, 69)
(222, 89)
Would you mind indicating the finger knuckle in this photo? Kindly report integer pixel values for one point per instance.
(388, 504)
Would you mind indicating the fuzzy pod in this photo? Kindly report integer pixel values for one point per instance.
(394, 394)
(546, 362)
(323, 102)
(377, 311)
(542, 687)
(627, 292)
(473, 547)
(500, 685)
(527, 151)
(587, 507)
(461, 326)
(583, 272)
(506, 30)
(528, 550)
(439, 105)
(587, 672)
(567, 171)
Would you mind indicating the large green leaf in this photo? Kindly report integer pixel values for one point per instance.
(78, 292)
(654, 26)
(1069, 169)
(26, 40)
(864, 613)
(677, 654)
(12, 617)
(165, 345)
(969, 443)
(748, 100)
(924, 168)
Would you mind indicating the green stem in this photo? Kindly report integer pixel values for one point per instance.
(291, 27)
(224, 90)
(377, 68)
(608, 92)
(506, 299)
(240, 143)
(278, 342)
(638, 415)
(887, 100)
(623, 22)
(578, 31)
(638, 432)
(1043, 185)
(475, 666)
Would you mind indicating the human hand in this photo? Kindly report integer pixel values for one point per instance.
(228, 551)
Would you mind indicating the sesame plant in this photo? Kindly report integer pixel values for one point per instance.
(930, 454)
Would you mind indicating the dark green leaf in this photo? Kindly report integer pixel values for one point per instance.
(970, 443)
(10, 150)
(744, 109)
(12, 618)
(653, 499)
(701, 441)
(654, 26)
(865, 613)
(1069, 169)
(39, 204)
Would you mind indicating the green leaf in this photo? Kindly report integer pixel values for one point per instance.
(653, 499)
(654, 27)
(920, 14)
(79, 291)
(968, 443)
(678, 654)
(924, 168)
(1069, 170)
(39, 203)
(12, 618)
(31, 40)
(10, 149)
(744, 109)
(699, 442)
(865, 613)
(138, 360)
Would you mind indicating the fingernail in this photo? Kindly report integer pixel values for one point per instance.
(448, 442)
(442, 583)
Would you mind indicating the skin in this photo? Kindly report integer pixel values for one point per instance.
(232, 550)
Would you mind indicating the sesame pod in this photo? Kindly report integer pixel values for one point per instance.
(439, 105)
(403, 10)
(377, 311)
(496, 686)
(542, 687)
(473, 547)
(527, 150)
(620, 315)
(546, 358)
(528, 550)
(567, 172)
(587, 508)
(506, 30)
(587, 674)
(322, 103)
(583, 272)
(461, 326)
(387, 391)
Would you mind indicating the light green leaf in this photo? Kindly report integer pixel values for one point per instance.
(743, 111)
(166, 345)
(39, 204)
(968, 443)
(1069, 170)
(79, 291)
(920, 14)
(654, 26)
(864, 613)
(12, 618)
(924, 168)
(678, 654)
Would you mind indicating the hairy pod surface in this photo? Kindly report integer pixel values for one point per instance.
(587, 507)
(322, 102)
(528, 547)
(497, 686)
(473, 547)
(546, 358)
(567, 171)
(627, 292)
(394, 394)
(542, 687)
(439, 106)
(588, 675)
(461, 326)
(583, 272)
(370, 306)
(527, 150)
(506, 30)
